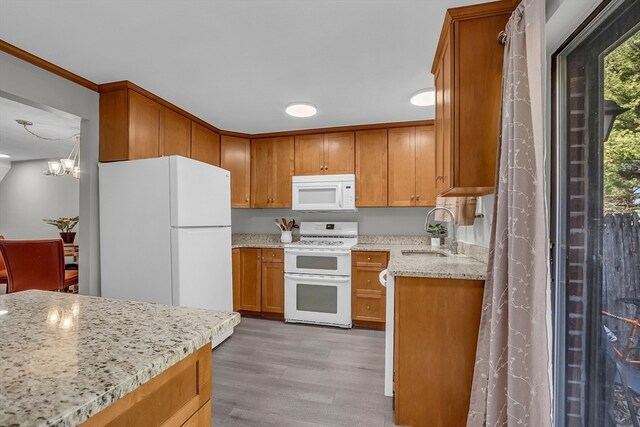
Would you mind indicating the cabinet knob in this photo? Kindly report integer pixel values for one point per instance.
(258, 256)
(418, 197)
(273, 254)
(412, 197)
(369, 258)
(246, 200)
(368, 307)
(326, 167)
(369, 281)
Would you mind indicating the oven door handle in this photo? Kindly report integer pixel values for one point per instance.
(332, 279)
(315, 252)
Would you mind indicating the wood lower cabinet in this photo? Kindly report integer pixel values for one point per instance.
(412, 166)
(272, 161)
(236, 277)
(179, 396)
(235, 156)
(467, 71)
(325, 154)
(371, 168)
(258, 284)
(435, 333)
(368, 299)
(250, 279)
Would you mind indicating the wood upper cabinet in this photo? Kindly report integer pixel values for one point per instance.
(467, 70)
(412, 166)
(435, 339)
(371, 168)
(425, 166)
(272, 163)
(325, 154)
(175, 134)
(135, 124)
(308, 155)
(205, 144)
(235, 156)
(250, 279)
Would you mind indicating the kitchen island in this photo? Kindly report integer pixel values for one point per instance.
(67, 358)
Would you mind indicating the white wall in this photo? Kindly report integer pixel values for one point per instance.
(371, 221)
(27, 196)
(32, 85)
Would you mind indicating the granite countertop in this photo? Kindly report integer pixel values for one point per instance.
(66, 357)
(470, 263)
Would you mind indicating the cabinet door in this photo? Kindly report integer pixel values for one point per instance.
(235, 156)
(426, 191)
(236, 273)
(282, 170)
(436, 333)
(371, 168)
(402, 166)
(251, 271)
(308, 155)
(444, 118)
(273, 287)
(144, 127)
(175, 134)
(339, 150)
(261, 170)
(205, 144)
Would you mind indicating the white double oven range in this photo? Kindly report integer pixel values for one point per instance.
(318, 274)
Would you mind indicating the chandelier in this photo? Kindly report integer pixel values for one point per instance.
(67, 166)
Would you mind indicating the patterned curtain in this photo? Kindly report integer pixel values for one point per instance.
(512, 378)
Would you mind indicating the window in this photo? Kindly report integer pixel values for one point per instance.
(596, 234)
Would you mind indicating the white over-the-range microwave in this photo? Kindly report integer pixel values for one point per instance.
(324, 193)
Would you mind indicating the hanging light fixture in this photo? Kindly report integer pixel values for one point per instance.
(69, 165)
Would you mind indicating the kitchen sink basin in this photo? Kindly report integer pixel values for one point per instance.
(424, 253)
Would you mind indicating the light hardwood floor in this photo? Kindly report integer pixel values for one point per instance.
(274, 374)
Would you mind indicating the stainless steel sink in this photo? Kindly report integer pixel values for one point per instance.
(424, 253)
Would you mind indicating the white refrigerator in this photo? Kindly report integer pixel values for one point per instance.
(165, 233)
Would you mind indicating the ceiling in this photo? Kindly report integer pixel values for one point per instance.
(237, 63)
(21, 145)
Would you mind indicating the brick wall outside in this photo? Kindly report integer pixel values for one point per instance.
(576, 305)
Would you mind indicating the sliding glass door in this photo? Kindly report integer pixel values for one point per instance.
(596, 202)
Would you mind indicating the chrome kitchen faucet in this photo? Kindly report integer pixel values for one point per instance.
(453, 246)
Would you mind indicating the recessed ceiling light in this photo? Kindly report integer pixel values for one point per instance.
(4, 156)
(301, 109)
(424, 98)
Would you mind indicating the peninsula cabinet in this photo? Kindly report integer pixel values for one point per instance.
(205, 144)
(325, 154)
(235, 156)
(272, 162)
(467, 71)
(258, 281)
(371, 168)
(436, 325)
(412, 166)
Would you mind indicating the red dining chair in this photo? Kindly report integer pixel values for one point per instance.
(3, 269)
(34, 264)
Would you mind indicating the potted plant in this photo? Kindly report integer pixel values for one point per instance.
(437, 232)
(65, 225)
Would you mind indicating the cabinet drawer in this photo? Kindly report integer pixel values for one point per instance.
(366, 279)
(273, 255)
(368, 307)
(369, 259)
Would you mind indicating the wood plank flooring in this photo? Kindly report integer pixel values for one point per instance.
(274, 374)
